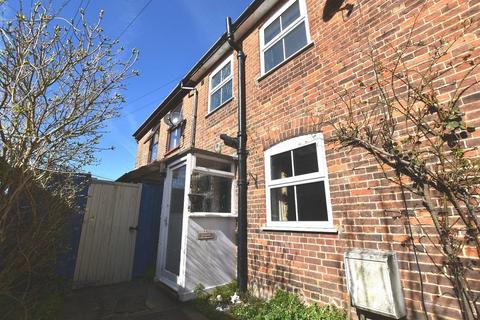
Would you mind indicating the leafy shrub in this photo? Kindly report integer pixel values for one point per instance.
(283, 306)
(331, 312)
(207, 303)
(287, 306)
(200, 292)
(225, 292)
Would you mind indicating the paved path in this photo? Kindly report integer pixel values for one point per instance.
(138, 300)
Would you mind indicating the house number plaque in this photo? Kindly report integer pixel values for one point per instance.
(206, 236)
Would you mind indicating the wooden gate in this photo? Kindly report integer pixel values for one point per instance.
(107, 242)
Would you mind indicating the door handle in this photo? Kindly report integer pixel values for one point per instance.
(133, 228)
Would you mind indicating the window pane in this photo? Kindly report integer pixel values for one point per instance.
(226, 71)
(210, 193)
(283, 204)
(212, 164)
(292, 13)
(295, 40)
(312, 205)
(272, 30)
(281, 165)
(153, 152)
(178, 134)
(175, 219)
(175, 136)
(274, 55)
(216, 79)
(226, 91)
(305, 159)
(215, 100)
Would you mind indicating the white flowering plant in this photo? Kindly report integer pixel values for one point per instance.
(225, 303)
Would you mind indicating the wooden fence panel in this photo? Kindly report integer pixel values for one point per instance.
(107, 242)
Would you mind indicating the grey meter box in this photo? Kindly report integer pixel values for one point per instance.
(373, 282)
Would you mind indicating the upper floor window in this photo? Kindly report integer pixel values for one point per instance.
(221, 85)
(174, 136)
(284, 34)
(175, 122)
(153, 148)
(297, 184)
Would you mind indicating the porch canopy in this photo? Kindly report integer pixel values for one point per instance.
(152, 172)
(155, 172)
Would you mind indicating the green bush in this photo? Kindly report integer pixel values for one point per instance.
(225, 292)
(283, 306)
(286, 306)
(200, 292)
(207, 303)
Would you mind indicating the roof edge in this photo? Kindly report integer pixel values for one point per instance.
(197, 66)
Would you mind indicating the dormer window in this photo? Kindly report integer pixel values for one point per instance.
(284, 34)
(221, 85)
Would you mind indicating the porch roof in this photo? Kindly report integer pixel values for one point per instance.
(152, 172)
(155, 172)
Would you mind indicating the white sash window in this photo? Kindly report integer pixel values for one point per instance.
(297, 184)
(284, 34)
(221, 85)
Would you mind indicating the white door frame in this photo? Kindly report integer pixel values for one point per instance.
(163, 275)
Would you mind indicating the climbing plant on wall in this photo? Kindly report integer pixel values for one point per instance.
(413, 110)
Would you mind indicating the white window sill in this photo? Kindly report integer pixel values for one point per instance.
(301, 229)
(212, 215)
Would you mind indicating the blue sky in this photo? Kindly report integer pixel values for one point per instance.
(171, 36)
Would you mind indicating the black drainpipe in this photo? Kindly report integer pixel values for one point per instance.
(241, 144)
(194, 113)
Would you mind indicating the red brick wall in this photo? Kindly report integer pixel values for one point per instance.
(143, 144)
(312, 263)
(209, 125)
(364, 205)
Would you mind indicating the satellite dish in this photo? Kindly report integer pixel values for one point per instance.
(176, 117)
(173, 118)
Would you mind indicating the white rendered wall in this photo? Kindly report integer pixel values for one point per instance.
(210, 262)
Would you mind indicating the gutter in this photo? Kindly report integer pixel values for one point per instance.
(190, 77)
(158, 113)
(194, 113)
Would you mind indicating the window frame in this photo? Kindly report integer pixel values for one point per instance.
(156, 132)
(217, 173)
(228, 60)
(169, 136)
(264, 47)
(321, 175)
